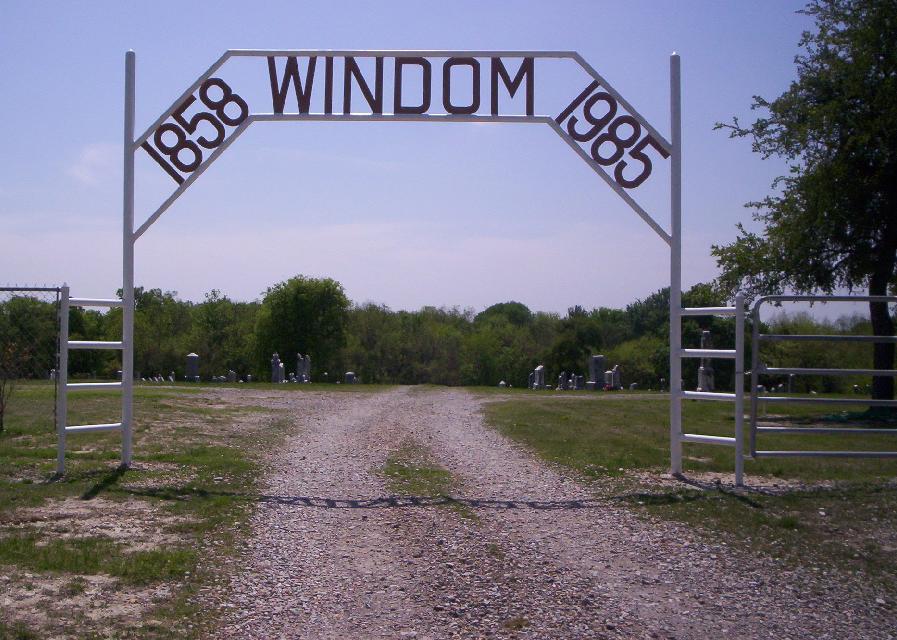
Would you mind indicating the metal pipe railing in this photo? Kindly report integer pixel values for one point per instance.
(737, 397)
(757, 368)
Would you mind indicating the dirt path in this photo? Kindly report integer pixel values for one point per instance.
(542, 556)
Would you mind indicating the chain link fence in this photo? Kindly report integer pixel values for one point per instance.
(29, 334)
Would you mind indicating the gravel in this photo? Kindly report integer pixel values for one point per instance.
(333, 555)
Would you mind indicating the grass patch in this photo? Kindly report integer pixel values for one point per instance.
(191, 463)
(847, 526)
(17, 631)
(599, 437)
(411, 471)
(75, 587)
(518, 623)
(90, 556)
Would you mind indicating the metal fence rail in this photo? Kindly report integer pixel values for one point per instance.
(758, 367)
(65, 387)
(736, 354)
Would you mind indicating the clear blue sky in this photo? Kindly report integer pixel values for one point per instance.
(403, 214)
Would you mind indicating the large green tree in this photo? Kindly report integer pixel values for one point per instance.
(303, 315)
(832, 220)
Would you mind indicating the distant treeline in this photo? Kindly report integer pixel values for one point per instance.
(438, 346)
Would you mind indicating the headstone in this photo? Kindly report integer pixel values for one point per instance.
(705, 371)
(539, 381)
(192, 367)
(596, 371)
(608, 379)
(618, 377)
(303, 368)
(281, 373)
(53, 375)
(503, 384)
(275, 367)
(349, 377)
(562, 381)
(231, 375)
(249, 377)
(633, 386)
(532, 380)
(118, 374)
(579, 383)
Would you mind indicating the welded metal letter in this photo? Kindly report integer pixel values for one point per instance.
(279, 89)
(426, 70)
(351, 70)
(474, 105)
(527, 68)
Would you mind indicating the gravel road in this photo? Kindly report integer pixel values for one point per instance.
(333, 555)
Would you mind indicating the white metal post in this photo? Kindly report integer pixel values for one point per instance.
(739, 390)
(127, 354)
(675, 267)
(62, 378)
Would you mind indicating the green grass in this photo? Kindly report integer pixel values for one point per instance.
(411, 471)
(835, 527)
(188, 464)
(602, 437)
(17, 631)
(843, 526)
(90, 556)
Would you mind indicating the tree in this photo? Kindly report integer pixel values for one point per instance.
(11, 356)
(221, 334)
(516, 313)
(302, 315)
(27, 344)
(833, 222)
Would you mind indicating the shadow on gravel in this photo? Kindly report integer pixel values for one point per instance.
(385, 502)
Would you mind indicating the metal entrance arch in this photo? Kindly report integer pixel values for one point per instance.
(598, 124)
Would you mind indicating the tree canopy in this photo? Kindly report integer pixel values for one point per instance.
(449, 346)
(831, 222)
(302, 315)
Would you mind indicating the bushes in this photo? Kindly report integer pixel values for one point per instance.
(432, 345)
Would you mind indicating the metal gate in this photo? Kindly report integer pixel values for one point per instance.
(758, 367)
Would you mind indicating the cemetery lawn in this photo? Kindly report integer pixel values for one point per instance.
(836, 514)
(146, 539)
